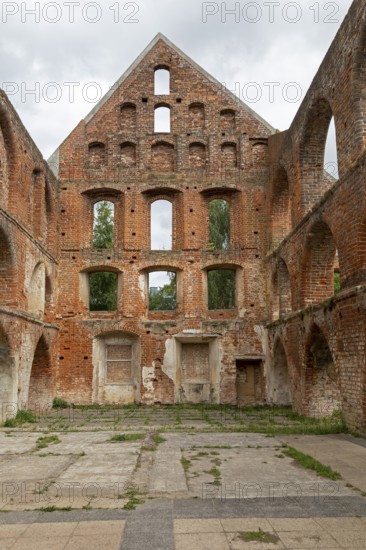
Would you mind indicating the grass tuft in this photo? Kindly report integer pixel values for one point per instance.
(311, 463)
(126, 437)
(259, 536)
(22, 417)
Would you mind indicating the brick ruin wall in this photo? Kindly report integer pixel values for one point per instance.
(289, 334)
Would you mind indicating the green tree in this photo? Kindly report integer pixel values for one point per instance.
(165, 297)
(219, 214)
(103, 291)
(103, 234)
(221, 289)
(103, 284)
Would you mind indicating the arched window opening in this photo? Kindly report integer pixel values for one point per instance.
(219, 224)
(197, 156)
(162, 81)
(128, 154)
(227, 118)
(38, 201)
(330, 154)
(103, 226)
(322, 385)
(317, 176)
(275, 296)
(37, 291)
(284, 287)
(162, 119)
(162, 290)
(41, 380)
(221, 288)
(128, 117)
(97, 154)
(161, 225)
(337, 274)
(162, 157)
(103, 291)
(196, 114)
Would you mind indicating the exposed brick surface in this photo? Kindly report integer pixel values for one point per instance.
(288, 339)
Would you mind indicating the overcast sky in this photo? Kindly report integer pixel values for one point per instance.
(258, 44)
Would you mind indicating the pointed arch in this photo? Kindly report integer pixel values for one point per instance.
(41, 382)
(314, 180)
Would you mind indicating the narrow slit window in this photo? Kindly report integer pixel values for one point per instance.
(161, 225)
(103, 226)
(219, 219)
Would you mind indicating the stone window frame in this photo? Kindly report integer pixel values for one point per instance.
(116, 197)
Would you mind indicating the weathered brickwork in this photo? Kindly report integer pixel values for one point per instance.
(288, 337)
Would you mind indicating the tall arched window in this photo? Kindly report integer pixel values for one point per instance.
(103, 225)
(161, 81)
(162, 119)
(161, 225)
(162, 290)
(221, 288)
(219, 220)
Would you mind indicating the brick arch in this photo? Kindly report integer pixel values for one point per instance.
(313, 181)
(279, 383)
(8, 153)
(8, 268)
(280, 207)
(284, 287)
(7, 374)
(359, 92)
(42, 377)
(322, 395)
(317, 268)
(275, 295)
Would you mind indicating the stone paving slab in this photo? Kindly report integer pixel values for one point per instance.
(342, 455)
